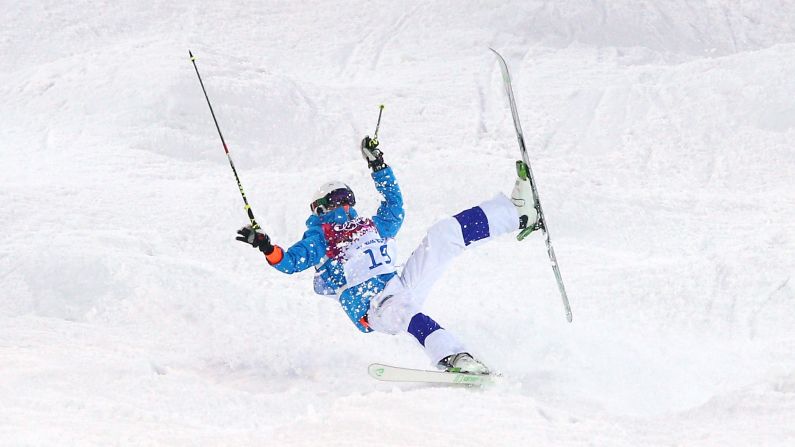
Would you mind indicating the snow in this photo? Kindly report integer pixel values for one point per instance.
(660, 135)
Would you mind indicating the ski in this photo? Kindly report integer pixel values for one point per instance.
(389, 373)
(506, 77)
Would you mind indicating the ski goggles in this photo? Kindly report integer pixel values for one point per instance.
(333, 200)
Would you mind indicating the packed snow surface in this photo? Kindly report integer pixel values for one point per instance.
(660, 134)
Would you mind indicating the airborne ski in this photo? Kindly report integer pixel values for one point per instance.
(389, 373)
(506, 77)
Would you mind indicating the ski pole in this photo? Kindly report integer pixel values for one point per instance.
(378, 124)
(254, 224)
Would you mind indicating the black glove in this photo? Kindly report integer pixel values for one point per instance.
(258, 240)
(373, 155)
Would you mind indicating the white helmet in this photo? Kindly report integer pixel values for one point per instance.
(330, 196)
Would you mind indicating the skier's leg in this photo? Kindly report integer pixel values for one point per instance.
(444, 350)
(395, 311)
(397, 308)
(449, 237)
(437, 341)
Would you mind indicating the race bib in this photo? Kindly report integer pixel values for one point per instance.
(367, 257)
(360, 250)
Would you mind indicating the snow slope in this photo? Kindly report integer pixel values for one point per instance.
(660, 134)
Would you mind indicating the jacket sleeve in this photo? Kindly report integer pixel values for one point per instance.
(305, 253)
(389, 216)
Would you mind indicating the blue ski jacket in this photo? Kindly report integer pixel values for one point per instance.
(313, 250)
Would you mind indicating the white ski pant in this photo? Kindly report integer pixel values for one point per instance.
(403, 297)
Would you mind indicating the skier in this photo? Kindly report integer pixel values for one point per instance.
(354, 256)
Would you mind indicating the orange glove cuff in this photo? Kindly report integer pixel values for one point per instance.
(276, 255)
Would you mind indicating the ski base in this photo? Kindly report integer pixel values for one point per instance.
(389, 373)
(528, 172)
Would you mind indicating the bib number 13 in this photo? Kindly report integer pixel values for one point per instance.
(378, 259)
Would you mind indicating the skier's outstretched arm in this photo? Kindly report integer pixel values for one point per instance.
(300, 256)
(389, 216)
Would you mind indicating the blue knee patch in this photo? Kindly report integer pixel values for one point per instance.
(474, 224)
(421, 326)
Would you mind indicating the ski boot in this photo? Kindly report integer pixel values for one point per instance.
(524, 201)
(463, 362)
